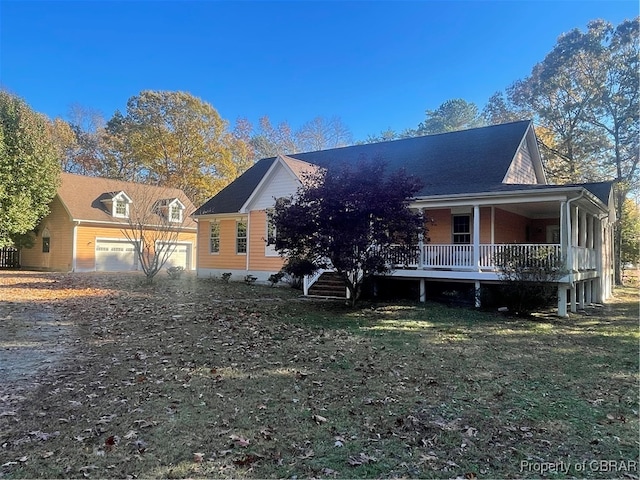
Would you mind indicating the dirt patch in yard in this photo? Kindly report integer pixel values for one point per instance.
(37, 337)
(33, 339)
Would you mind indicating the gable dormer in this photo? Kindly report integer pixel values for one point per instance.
(170, 209)
(118, 204)
(526, 166)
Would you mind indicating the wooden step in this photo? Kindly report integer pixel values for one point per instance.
(329, 285)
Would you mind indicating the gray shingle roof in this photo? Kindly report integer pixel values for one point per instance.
(467, 161)
(457, 162)
(601, 190)
(231, 198)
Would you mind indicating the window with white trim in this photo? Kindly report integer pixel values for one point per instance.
(241, 236)
(214, 238)
(175, 213)
(121, 209)
(461, 229)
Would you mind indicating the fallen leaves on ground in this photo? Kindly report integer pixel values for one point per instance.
(259, 383)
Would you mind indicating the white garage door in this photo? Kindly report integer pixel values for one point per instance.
(179, 256)
(115, 256)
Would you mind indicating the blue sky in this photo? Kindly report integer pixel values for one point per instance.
(374, 64)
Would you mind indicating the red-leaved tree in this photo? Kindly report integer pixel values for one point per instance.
(347, 218)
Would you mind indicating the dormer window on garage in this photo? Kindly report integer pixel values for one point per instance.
(121, 209)
(118, 204)
(171, 209)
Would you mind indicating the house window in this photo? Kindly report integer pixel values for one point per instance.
(241, 236)
(214, 238)
(46, 244)
(121, 209)
(461, 229)
(175, 214)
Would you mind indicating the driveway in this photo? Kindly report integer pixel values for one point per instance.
(33, 338)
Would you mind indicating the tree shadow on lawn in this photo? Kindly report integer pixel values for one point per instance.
(262, 385)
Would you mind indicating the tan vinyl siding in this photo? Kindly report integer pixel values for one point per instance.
(521, 170)
(257, 234)
(227, 257)
(86, 244)
(60, 230)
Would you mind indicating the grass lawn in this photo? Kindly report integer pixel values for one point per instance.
(197, 378)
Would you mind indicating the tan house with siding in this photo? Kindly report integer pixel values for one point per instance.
(86, 229)
(484, 190)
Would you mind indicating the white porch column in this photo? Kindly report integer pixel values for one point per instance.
(580, 295)
(421, 257)
(565, 236)
(609, 258)
(574, 225)
(588, 295)
(582, 242)
(477, 294)
(599, 286)
(562, 301)
(573, 304)
(590, 231)
(476, 237)
(423, 291)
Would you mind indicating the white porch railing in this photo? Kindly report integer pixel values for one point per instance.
(447, 256)
(536, 254)
(451, 256)
(461, 257)
(583, 258)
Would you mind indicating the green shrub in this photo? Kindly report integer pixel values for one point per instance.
(529, 277)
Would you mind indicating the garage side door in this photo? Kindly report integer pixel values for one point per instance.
(115, 256)
(179, 256)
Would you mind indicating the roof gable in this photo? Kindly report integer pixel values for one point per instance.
(168, 202)
(526, 167)
(284, 177)
(298, 168)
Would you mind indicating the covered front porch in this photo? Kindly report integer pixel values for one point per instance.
(543, 228)
(568, 229)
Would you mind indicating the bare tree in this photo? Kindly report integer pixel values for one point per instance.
(269, 140)
(155, 218)
(322, 133)
(87, 124)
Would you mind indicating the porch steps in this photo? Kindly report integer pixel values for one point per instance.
(328, 285)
